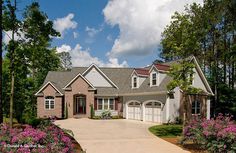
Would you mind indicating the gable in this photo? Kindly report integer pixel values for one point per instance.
(97, 78)
(200, 80)
(48, 88)
(76, 78)
(197, 81)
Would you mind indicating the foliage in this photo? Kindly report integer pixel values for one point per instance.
(217, 135)
(41, 139)
(106, 114)
(166, 130)
(33, 121)
(33, 58)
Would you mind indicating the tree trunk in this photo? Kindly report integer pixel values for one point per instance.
(12, 65)
(1, 109)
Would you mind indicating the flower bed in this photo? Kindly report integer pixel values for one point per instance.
(44, 138)
(216, 135)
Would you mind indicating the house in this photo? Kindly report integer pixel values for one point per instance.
(134, 93)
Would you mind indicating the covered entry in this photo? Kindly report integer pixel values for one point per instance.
(79, 104)
(152, 111)
(134, 110)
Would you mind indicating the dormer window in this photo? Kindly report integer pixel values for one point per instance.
(134, 82)
(153, 79)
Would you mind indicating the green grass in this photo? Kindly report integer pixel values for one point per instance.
(166, 130)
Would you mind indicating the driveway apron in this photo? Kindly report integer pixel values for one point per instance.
(117, 136)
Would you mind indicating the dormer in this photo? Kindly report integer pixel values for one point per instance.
(138, 76)
(157, 73)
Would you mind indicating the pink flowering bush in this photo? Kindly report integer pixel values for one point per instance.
(44, 138)
(216, 135)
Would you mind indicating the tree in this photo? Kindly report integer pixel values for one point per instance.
(28, 59)
(65, 59)
(40, 56)
(1, 105)
(11, 24)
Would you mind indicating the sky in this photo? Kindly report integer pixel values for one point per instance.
(109, 33)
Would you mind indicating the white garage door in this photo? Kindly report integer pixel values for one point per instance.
(153, 112)
(134, 111)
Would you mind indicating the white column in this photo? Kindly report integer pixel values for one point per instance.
(167, 108)
(208, 108)
(143, 111)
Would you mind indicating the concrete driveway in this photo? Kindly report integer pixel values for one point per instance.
(116, 136)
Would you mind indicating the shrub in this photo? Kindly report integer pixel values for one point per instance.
(91, 111)
(42, 139)
(216, 135)
(106, 114)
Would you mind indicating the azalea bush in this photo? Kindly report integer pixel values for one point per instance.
(45, 138)
(216, 135)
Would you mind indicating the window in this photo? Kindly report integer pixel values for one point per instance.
(154, 79)
(134, 82)
(111, 104)
(49, 102)
(195, 107)
(105, 103)
(100, 104)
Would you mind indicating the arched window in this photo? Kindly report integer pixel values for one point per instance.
(49, 102)
(196, 107)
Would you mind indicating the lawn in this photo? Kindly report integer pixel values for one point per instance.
(166, 130)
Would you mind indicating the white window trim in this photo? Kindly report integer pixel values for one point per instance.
(108, 104)
(49, 104)
(157, 78)
(137, 82)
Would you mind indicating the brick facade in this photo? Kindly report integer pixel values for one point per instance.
(58, 103)
(79, 86)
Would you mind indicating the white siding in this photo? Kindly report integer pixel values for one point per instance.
(96, 79)
(197, 81)
(161, 77)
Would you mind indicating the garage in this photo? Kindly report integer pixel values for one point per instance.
(134, 111)
(153, 112)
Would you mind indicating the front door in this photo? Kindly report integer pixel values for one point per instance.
(80, 104)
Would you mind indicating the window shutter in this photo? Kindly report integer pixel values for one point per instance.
(116, 103)
(95, 104)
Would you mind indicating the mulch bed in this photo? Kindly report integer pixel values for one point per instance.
(193, 148)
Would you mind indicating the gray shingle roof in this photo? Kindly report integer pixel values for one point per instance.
(120, 76)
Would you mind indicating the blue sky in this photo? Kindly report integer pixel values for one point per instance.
(111, 33)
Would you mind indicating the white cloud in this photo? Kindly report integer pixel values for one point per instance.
(140, 23)
(75, 34)
(7, 36)
(92, 31)
(65, 23)
(81, 57)
(63, 48)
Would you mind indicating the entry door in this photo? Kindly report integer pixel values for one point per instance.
(80, 104)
